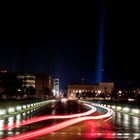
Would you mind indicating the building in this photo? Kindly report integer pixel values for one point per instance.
(105, 87)
(28, 80)
(42, 82)
(73, 89)
(51, 84)
(37, 85)
(56, 87)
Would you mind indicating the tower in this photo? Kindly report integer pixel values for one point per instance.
(56, 87)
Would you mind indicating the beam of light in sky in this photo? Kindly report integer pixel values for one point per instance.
(100, 43)
(58, 126)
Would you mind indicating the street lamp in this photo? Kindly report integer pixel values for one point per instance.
(120, 91)
(99, 91)
(19, 90)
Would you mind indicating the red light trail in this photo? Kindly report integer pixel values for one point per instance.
(48, 117)
(61, 125)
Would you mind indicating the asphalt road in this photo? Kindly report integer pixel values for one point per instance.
(119, 126)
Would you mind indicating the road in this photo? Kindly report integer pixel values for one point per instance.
(119, 126)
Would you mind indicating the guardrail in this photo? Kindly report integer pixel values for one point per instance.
(21, 108)
(129, 110)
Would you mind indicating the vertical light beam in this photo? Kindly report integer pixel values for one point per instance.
(100, 43)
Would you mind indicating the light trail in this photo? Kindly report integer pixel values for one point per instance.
(49, 129)
(48, 117)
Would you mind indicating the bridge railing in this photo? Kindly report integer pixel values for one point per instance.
(5, 112)
(121, 108)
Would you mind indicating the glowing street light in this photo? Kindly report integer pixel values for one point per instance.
(19, 90)
(120, 91)
(99, 91)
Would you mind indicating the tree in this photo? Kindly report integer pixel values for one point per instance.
(11, 84)
(31, 90)
(47, 92)
(114, 95)
(77, 94)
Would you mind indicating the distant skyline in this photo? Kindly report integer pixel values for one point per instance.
(68, 49)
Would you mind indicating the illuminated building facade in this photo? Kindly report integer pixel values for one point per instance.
(56, 87)
(27, 79)
(42, 82)
(105, 87)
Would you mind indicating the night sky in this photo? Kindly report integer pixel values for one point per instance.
(66, 44)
